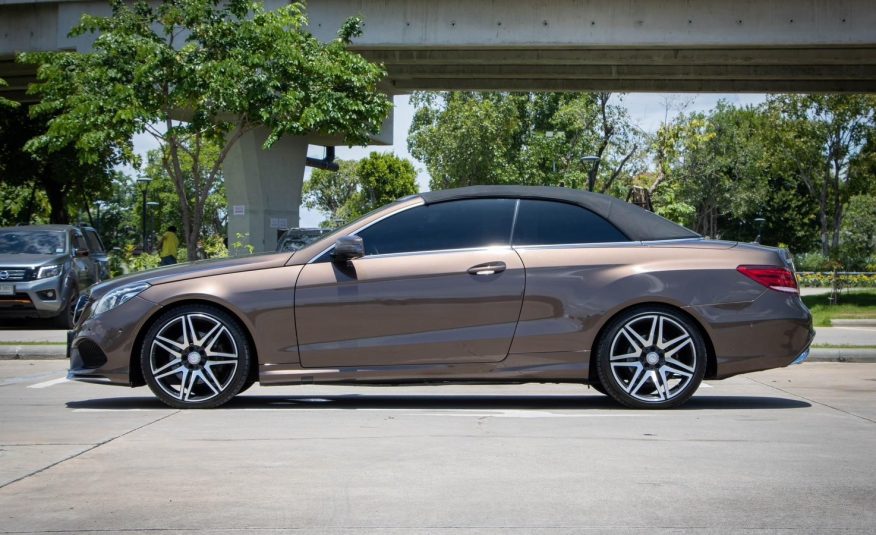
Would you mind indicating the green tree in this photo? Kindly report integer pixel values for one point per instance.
(5, 102)
(331, 192)
(828, 134)
(359, 187)
(34, 179)
(525, 138)
(858, 235)
(191, 72)
(382, 178)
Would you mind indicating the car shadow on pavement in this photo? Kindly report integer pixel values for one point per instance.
(444, 402)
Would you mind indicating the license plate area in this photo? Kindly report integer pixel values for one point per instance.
(7, 288)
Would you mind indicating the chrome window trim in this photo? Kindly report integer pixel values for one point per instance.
(581, 245)
(434, 251)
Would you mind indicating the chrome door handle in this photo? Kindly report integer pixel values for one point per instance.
(490, 268)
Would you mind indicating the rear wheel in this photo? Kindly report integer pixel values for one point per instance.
(651, 358)
(195, 356)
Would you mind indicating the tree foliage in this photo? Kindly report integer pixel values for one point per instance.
(42, 187)
(524, 138)
(359, 186)
(196, 72)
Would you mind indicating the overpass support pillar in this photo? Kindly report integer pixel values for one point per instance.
(263, 188)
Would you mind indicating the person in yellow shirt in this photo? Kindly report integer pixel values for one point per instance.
(167, 246)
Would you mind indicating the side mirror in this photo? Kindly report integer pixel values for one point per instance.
(80, 252)
(348, 248)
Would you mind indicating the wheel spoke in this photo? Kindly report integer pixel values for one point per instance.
(182, 382)
(200, 341)
(167, 348)
(177, 360)
(174, 371)
(633, 386)
(188, 391)
(676, 343)
(627, 356)
(656, 380)
(664, 381)
(206, 375)
(639, 341)
(170, 342)
(211, 363)
(653, 331)
(675, 371)
(208, 347)
(679, 364)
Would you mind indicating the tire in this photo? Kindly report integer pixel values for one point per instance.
(651, 357)
(195, 357)
(64, 320)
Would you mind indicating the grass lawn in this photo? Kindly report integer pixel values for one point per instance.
(860, 304)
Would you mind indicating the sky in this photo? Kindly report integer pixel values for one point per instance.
(647, 110)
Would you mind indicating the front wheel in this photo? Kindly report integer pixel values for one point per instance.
(195, 356)
(651, 358)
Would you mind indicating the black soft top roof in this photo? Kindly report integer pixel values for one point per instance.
(635, 222)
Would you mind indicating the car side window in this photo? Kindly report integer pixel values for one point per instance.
(93, 240)
(554, 223)
(79, 242)
(462, 224)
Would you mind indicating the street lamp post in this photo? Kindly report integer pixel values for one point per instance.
(144, 187)
(98, 205)
(152, 204)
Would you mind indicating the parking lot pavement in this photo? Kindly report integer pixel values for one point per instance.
(788, 450)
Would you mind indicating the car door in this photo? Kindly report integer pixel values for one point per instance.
(438, 284)
(85, 267)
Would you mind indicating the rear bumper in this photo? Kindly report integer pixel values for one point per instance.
(772, 331)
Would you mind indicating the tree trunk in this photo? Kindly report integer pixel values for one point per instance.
(822, 214)
(57, 203)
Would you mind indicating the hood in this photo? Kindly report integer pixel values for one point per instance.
(193, 270)
(30, 260)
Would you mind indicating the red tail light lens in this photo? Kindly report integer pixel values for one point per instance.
(776, 278)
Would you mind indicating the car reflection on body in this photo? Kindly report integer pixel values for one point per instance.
(482, 284)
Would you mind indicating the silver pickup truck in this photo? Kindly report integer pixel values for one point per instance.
(44, 267)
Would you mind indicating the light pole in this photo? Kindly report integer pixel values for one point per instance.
(98, 205)
(152, 204)
(586, 160)
(759, 221)
(144, 187)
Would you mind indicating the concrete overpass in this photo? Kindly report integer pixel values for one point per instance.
(550, 45)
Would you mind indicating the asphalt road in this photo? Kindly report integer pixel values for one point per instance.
(785, 451)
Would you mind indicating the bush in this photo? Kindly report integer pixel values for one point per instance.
(824, 280)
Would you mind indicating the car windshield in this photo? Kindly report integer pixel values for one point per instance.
(32, 242)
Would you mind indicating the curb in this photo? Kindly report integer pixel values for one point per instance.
(33, 352)
(850, 354)
(852, 323)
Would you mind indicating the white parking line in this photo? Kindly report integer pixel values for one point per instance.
(47, 384)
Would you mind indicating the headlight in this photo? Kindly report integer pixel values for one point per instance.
(114, 298)
(49, 271)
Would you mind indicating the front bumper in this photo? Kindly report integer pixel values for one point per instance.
(31, 300)
(102, 349)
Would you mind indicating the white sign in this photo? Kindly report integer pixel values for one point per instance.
(279, 222)
(239, 209)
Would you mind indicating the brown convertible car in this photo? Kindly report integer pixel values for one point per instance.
(482, 284)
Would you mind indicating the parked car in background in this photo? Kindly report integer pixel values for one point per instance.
(97, 251)
(43, 269)
(485, 284)
(297, 238)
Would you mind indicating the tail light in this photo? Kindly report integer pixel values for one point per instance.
(781, 279)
